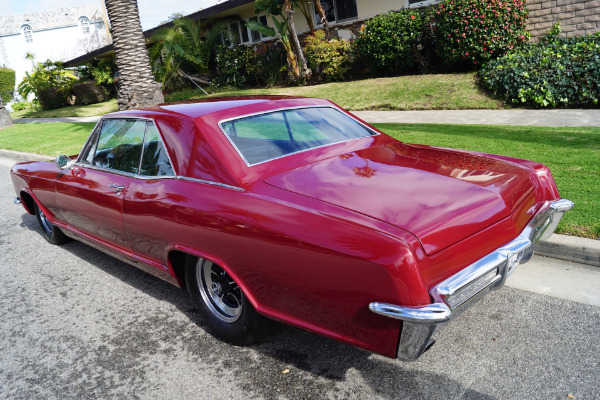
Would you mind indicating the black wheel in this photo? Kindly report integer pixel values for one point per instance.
(52, 233)
(227, 311)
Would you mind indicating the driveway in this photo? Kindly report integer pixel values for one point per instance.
(79, 324)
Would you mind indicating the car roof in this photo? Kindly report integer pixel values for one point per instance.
(200, 107)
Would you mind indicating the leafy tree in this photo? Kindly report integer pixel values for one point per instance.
(137, 86)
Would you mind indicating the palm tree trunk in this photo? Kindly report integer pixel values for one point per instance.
(5, 119)
(137, 86)
(306, 72)
(321, 13)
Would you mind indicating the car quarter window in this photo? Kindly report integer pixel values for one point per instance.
(155, 161)
(264, 137)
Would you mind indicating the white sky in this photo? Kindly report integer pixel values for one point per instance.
(152, 12)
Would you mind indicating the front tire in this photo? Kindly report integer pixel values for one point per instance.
(51, 233)
(227, 311)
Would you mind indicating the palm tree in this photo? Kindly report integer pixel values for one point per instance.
(182, 47)
(137, 86)
(281, 12)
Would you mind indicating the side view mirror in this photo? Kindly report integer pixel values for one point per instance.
(63, 162)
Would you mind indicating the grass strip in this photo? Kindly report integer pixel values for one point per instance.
(91, 110)
(51, 139)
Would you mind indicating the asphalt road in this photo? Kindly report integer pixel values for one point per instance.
(76, 323)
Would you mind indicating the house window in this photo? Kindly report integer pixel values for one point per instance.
(28, 33)
(85, 25)
(338, 10)
(255, 35)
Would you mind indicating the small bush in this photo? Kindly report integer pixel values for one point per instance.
(236, 66)
(7, 84)
(389, 42)
(557, 72)
(51, 98)
(89, 93)
(21, 105)
(475, 31)
(271, 64)
(330, 58)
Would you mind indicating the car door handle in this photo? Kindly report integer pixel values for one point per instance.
(117, 188)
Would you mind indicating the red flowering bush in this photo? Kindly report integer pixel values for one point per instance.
(475, 31)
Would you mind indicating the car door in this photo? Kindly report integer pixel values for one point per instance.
(146, 206)
(90, 194)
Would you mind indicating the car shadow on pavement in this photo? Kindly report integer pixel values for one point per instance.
(290, 362)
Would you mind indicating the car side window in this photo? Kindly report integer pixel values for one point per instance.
(155, 161)
(119, 145)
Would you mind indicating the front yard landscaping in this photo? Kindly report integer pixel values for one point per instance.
(571, 154)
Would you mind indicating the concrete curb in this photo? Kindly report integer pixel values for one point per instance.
(562, 247)
(21, 156)
(570, 248)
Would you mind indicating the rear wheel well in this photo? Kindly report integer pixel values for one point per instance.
(177, 261)
(28, 201)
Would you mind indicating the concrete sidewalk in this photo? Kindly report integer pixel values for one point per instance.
(575, 117)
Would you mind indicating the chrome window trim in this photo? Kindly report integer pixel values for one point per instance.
(420, 322)
(221, 122)
(212, 183)
(136, 175)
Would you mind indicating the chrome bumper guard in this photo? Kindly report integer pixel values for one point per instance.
(460, 291)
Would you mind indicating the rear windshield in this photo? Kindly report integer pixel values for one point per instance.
(264, 137)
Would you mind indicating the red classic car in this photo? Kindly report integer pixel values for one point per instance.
(293, 209)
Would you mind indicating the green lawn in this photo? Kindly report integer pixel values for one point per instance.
(415, 92)
(49, 138)
(90, 110)
(572, 154)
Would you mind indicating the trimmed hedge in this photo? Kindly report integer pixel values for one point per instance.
(475, 31)
(389, 42)
(7, 84)
(89, 93)
(557, 72)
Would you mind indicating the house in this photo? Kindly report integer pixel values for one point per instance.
(58, 34)
(344, 16)
(578, 17)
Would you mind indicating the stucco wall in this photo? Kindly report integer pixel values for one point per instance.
(577, 17)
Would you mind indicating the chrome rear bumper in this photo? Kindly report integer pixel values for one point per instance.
(460, 291)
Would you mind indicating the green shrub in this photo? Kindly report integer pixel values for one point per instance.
(389, 42)
(89, 93)
(271, 64)
(21, 105)
(475, 31)
(236, 66)
(330, 58)
(49, 82)
(557, 72)
(7, 84)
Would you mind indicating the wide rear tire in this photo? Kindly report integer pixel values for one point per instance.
(226, 309)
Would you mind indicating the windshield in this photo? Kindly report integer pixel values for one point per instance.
(264, 137)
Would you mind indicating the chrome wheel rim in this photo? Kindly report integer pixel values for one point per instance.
(220, 292)
(46, 225)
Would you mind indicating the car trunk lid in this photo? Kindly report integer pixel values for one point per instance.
(441, 196)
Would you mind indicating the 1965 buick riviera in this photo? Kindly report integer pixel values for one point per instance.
(293, 209)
